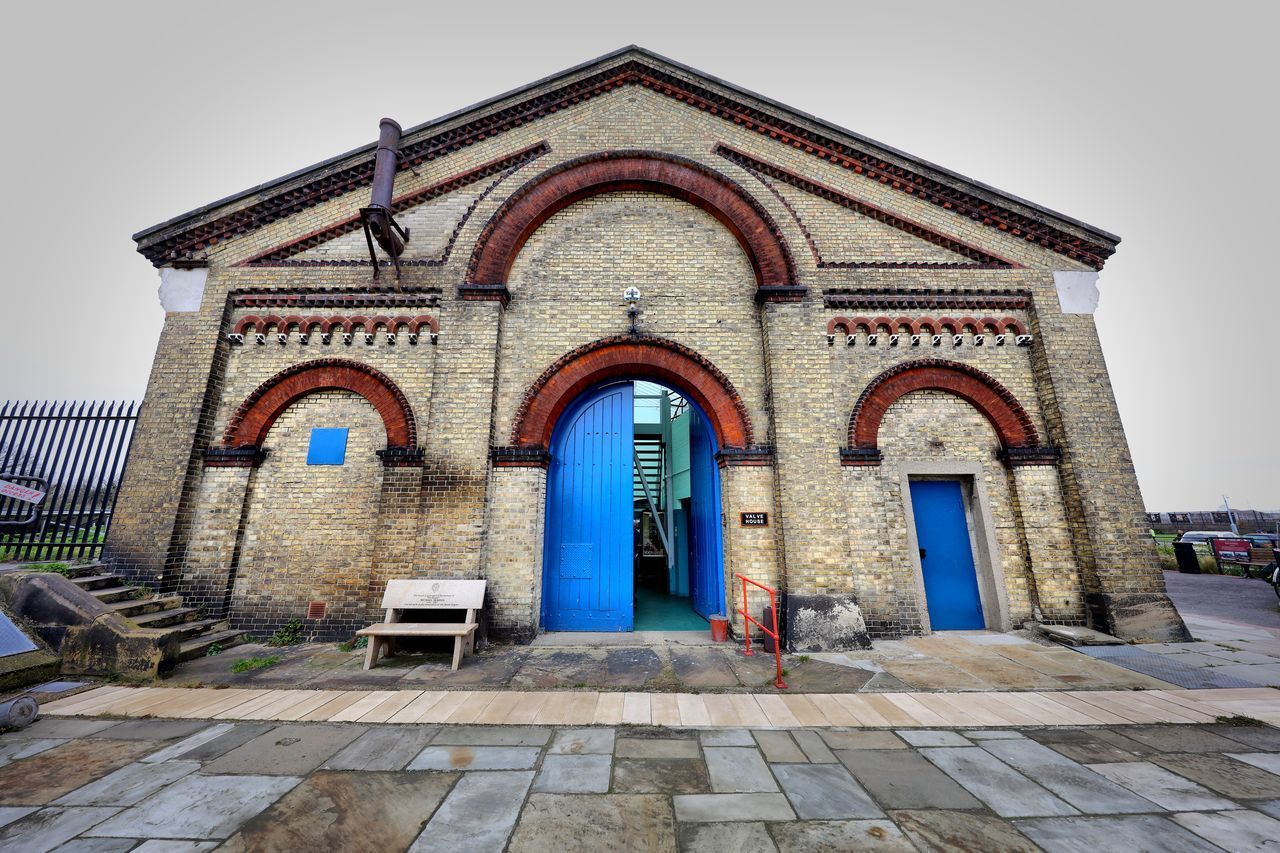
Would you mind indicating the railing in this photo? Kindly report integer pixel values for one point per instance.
(773, 609)
(79, 450)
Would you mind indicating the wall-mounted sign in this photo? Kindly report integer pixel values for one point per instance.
(755, 519)
(22, 493)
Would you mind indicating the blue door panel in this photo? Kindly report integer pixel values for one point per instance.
(705, 546)
(946, 558)
(587, 560)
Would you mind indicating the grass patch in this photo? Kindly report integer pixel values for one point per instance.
(1239, 720)
(63, 569)
(52, 545)
(1169, 563)
(213, 651)
(255, 662)
(288, 634)
(352, 645)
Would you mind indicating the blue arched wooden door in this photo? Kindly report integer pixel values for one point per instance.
(706, 548)
(588, 579)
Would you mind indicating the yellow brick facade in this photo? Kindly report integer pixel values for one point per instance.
(1056, 542)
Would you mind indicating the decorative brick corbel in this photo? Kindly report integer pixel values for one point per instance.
(484, 293)
(402, 457)
(860, 457)
(755, 455)
(1044, 454)
(780, 293)
(244, 456)
(519, 457)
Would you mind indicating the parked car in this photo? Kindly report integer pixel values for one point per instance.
(1203, 536)
(1261, 540)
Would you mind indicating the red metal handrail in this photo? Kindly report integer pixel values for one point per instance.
(773, 608)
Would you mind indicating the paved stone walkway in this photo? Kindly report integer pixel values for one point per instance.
(683, 662)
(589, 707)
(79, 784)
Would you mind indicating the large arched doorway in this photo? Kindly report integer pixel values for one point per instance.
(633, 538)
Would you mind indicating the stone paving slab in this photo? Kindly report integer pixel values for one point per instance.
(1165, 789)
(824, 792)
(128, 785)
(477, 815)
(49, 828)
(738, 770)
(55, 772)
(710, 808)
(382, 749)
(578, 824)
(583, 741)
(1088, 791)
(1007, 792)
(942, 830)
(347, 811)
(725, 838)
(840, 835)
(1224, 775)
(574, 774)
(1091, 835)
(289, 750)
(476, 758)
(903, 779)
(1233, 830)
(660, 776)
(17, 749)
(198, 806)
(630, 747)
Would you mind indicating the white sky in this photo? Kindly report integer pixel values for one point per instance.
(1153, 121)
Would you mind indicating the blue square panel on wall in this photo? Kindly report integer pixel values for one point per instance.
(328, 446)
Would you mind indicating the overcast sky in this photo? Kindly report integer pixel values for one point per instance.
(1154, 121)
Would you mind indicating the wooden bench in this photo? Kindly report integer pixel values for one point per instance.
(402, 595)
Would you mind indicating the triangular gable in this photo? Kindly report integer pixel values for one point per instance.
(186, 237)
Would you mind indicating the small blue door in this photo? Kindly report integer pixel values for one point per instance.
(705, 546)
(946, 559)
(587, 556)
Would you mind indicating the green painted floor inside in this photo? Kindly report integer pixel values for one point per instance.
(656, 611)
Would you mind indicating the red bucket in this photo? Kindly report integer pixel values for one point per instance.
(719, 629)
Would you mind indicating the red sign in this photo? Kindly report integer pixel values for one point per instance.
(22, 493)
(1231, 550)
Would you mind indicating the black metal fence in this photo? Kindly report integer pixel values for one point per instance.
(76, 453)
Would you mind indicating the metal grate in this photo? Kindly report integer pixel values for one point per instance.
(1159, 666)
(316, 609)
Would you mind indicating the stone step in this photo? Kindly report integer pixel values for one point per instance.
(198, 646)
(131, 607)
(165, 618)
(90, 582)
(197, 628)
(79, 570)
(111, 594)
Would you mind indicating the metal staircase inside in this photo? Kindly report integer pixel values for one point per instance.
(648, 470)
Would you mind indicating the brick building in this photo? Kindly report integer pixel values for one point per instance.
(882, 380)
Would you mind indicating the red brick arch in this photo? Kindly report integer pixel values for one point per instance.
(254, 417)
(584, 177)
(997, 403)
(626, 357)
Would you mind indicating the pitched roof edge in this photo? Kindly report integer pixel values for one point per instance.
(199, 216)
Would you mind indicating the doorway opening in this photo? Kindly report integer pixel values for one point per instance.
(633, 524)
(944, 533)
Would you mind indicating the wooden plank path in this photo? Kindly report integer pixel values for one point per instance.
(758, 710)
